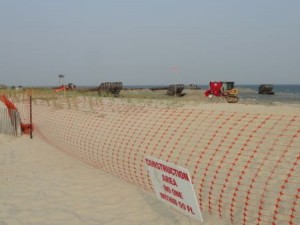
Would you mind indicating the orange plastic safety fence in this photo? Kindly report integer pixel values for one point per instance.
(245, 167)
(13, 113)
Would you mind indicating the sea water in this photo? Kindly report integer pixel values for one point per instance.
(282, 94)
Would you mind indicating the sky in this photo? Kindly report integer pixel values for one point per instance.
(149, 42)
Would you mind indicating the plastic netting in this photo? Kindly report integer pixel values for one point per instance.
(245, 167)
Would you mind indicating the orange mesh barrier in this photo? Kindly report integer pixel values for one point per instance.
(26, 128)
(245, 167)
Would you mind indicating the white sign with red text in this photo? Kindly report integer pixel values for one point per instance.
(173, 185)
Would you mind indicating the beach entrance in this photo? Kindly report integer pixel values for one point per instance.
(10, 120)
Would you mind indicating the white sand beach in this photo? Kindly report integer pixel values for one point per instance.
(85, 164)
(150, 112)
(39, 185)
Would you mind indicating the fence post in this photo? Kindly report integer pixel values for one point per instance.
(29, 93)
(30, 106)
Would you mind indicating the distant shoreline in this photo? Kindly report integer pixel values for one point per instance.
(277, 87)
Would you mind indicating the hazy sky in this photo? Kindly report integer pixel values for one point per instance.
(140, 41)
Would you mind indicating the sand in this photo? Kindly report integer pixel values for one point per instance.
(40, 184)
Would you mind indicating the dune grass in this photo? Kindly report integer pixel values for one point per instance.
(92, 100)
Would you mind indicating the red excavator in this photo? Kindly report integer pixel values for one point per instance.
(221, 89)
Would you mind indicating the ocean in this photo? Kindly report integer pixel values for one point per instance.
(282, 94)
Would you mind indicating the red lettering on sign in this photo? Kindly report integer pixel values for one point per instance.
(169, 180)
(190, 209)
(167, 189)
(168, 198)
(168, 169)
(182, 205)
(177, 194)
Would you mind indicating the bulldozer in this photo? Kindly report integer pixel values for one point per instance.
(113, 88)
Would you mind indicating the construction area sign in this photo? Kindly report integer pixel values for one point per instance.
(173, 186)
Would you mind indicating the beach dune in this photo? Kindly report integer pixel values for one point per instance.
(243, 160)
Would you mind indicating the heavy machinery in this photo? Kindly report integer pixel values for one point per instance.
(175, 90)
(265, 89)
(219, 90)
(110, 88)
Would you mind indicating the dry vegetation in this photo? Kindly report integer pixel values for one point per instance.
(136, 96)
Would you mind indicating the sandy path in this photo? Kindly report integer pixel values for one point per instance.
(42, 185)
